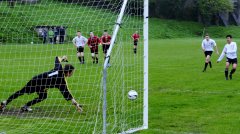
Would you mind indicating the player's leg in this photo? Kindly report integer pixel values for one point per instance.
(11, 98)
(42, 95)
(93, 57)
(209, 59)
(109, 56)
(92, 54)
(104, 51)
(79, 54)
(96, 55)
(206, 62)
(135, 47)
(26, 89)
(79, 57)
(226, 70)
(233, 70)
(82, 55)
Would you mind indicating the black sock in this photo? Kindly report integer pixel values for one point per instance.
(93, 58)
(80, 59)
(135, 50)
(205, 67)
(226, 73)
(96, 59)
(210, 64)
(232, 71)
(109, 60)
(83, 58)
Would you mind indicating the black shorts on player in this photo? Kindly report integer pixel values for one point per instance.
(105, 48)
(208, 53)
(232, 61)
(80, 49)
(135, 43)
(94, 50)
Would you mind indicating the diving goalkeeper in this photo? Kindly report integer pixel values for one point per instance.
(42, 82)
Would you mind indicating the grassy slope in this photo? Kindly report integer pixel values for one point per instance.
(165, 29)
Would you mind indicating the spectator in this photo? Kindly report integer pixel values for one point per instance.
(55, 35)
(61, 34)
(50, 35)
(44, 35)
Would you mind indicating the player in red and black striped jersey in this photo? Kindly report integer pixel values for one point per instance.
(39, 84)
(105, 40)
(93, 42)
(135, 38)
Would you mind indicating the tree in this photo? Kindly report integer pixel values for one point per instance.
(209, 9)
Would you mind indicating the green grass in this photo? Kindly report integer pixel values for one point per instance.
(182, 98)
(22, 62)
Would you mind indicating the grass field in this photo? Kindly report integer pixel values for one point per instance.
(182, 99)
(22, 62)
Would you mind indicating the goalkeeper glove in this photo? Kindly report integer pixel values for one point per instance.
(78, 106)
(64, 59)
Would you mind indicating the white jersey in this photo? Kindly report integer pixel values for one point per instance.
(230, 50)
(208, 45)
(80, 41)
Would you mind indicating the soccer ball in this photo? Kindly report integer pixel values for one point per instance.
(132, 95)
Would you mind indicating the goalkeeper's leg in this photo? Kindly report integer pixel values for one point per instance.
(12, 97)
(41, 96)
(16, 95)
(29, 88)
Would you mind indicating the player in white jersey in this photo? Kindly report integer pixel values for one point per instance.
(79, 41)
(230, 50)
(208, 48)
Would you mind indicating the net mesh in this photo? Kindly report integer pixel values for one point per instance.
(28, 48)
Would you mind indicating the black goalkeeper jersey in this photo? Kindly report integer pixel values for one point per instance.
(51, 79)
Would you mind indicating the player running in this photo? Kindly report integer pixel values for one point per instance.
(42, 82)
(79, 41)
(93, 43)
(105, 40)
(208, 48)
(230, 50)
(135, 38)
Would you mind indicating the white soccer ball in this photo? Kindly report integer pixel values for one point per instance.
(132, 95)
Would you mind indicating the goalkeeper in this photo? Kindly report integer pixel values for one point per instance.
(40, 83)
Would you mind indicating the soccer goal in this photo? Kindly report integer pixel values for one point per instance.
(34, 37)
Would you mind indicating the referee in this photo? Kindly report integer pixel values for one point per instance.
(42, 82)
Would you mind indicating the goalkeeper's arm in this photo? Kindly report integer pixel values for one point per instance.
(68, 96)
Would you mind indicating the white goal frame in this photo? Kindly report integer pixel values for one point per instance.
(145, 70)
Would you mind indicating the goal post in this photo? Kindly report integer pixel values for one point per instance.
(145, 70)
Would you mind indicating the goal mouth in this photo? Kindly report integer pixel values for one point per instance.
(37, 38)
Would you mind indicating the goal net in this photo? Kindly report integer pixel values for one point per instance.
(34, 32)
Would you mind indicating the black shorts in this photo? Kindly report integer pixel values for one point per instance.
(208, 53)
(135, 43)
(94, 50)
(105, 48)
(80, 49)
(232, 61)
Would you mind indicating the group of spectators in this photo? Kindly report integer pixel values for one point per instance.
(51, 35)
